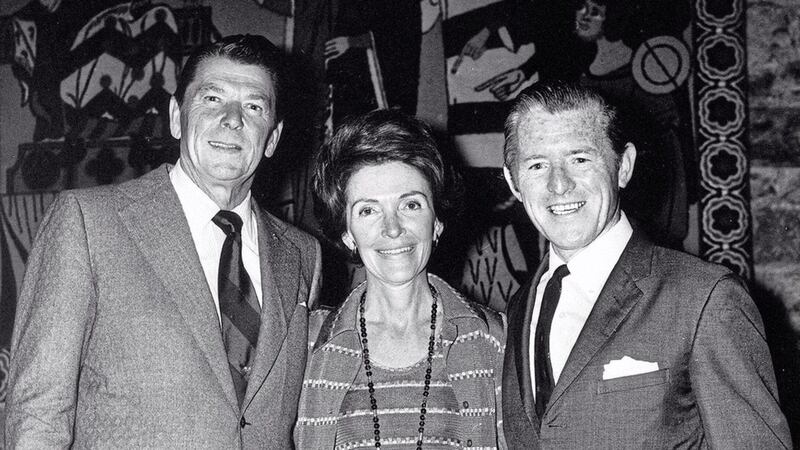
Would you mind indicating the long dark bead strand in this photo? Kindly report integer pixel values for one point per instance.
(373, 404)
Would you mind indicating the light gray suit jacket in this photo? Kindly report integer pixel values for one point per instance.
(714, 387)
(117, 341)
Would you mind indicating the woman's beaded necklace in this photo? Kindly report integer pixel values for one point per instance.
(368, 370)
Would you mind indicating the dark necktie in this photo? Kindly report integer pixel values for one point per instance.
(238, 304)
(541, 350)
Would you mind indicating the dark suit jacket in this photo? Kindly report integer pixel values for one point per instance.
(117, 341)
(715, 386)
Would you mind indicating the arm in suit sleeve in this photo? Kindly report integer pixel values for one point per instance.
(731, 373)
(54, 317)
(316, 280)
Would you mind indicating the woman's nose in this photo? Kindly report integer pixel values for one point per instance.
(391, 225)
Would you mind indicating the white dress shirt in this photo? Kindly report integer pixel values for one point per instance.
(588, 272)
(208, 238)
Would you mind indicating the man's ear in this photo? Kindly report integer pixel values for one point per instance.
(626, 164)
(348, 240)
(511, 183)
(274, 137)
(174, 118)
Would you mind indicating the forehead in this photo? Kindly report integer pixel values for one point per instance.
(222, 72)
(390, 178)
(583, 126)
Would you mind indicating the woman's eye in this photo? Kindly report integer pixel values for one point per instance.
(413, 205)
(365, 211)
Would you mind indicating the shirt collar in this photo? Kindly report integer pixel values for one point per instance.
(198, 206)
(594, 264)
(455, 309)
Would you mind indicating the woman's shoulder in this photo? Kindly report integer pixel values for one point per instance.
(454, 300)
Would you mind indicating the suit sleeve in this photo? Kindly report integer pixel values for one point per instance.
(316, 279)
(732, 374)
(54, 317)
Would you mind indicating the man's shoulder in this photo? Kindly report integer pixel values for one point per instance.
(115, 194)
(681, 265)
(281, 229)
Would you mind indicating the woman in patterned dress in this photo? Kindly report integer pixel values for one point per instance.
(405, 361)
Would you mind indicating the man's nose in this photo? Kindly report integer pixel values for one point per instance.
(232, 116)
(392, 227)
(559, 180)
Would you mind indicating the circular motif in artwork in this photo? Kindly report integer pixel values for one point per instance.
(725, 218)
(719, 13)
(723, 164)
(661, 64)
(721, 57)
(721, 111)
(40, 170)
(734, 258)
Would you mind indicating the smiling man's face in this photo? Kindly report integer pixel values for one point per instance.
(226, 123)
(568, 176)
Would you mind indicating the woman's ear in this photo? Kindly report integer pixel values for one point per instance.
(348, 240)
(438, 229)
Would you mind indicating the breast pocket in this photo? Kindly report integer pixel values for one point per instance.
(631, 382)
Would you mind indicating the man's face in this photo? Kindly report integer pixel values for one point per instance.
(226, 123)
(589, 20)
(568, 177)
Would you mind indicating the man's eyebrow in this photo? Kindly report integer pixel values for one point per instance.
(205, 87)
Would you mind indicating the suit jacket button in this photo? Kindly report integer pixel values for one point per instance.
(465, 405)
(469, 442)
(242, 422)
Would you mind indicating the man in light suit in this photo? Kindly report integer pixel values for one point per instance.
(124, 335)
(628, 345)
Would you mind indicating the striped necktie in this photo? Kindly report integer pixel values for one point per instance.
(238, 304)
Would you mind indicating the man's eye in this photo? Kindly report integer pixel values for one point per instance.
(536, 166)
(365, 211)
(581, 160)
(255, 108)
(211, 98)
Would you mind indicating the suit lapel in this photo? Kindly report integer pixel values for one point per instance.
(280, 273)
(155, 220)
(616, 300)
(521, 335)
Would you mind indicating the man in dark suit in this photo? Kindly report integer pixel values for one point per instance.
(171, 311)
(616, 342)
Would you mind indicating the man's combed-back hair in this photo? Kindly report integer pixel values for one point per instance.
(241, 48)
(559, 97)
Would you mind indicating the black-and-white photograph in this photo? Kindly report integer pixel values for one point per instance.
(352, 224)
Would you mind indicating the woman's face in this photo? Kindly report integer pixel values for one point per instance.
(391, 221)
(589, 20)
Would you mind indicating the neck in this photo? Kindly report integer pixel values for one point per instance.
(399, 306)
(226, 197)
(610, 56)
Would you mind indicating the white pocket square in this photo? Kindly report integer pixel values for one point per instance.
(627, 366)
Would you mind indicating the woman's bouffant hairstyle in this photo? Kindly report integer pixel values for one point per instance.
(372, 139)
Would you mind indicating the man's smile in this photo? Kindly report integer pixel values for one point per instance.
(224, 145)
(565, 208)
